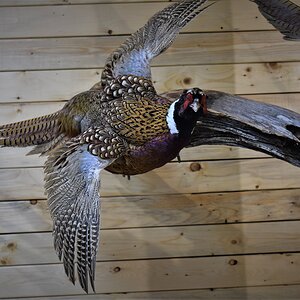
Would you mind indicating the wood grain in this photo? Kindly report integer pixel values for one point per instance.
(213, 176)
(162, 242)
(164, 210)
(252, 78)
(188, 49)
(162, 274)
(98, 19)
(277, 292)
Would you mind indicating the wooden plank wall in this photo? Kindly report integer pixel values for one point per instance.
(228, 231)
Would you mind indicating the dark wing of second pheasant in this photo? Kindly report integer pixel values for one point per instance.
(284, 15)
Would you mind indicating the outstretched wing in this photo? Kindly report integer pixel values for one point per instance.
(72, 182)
(134, 56)
(284, 15)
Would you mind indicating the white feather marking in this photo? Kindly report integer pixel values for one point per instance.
(170, 119)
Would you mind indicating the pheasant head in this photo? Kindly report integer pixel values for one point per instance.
(184, 113)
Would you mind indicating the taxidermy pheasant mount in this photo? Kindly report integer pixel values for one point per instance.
(123, 126)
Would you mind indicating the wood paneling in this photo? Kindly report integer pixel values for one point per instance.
(99, 19)
(188, 49)
(164, 210)
(214, 176)
(161, 274)
(162, 242)
(238, 79)
(250, 293)
(228, 231)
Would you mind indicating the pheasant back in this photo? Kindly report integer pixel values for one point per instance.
(137, 121)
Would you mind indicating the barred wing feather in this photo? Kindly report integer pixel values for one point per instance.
(72, 183)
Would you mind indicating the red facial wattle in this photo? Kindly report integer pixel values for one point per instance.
(188, 100)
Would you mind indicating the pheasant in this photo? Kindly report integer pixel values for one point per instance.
(284, 15)
(124, 127)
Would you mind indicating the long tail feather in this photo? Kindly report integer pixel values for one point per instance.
(31, 132)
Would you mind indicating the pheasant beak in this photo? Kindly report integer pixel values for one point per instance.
(195, 105)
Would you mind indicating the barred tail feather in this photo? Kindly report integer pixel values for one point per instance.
(284, 15)
(31, 132)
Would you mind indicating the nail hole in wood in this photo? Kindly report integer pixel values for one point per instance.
(117, 269)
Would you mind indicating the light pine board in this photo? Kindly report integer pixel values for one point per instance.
(164, 210)
(188, 49)
(161, 274)
(162, 242)
(214, 176)
(252, 78)
(278, 292)
(99, 19)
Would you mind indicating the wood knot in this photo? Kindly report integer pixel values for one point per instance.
(187, 80)
(233, 262)
(5, 261)
(234, 242)
(109, 31)
(194, 167)
(11, 246)
(33, 202)
(273, 65)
